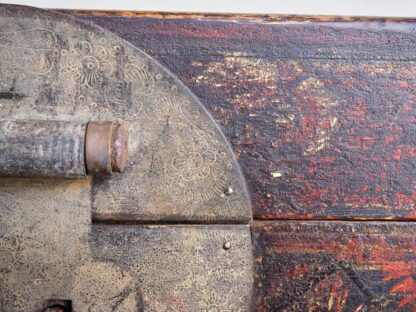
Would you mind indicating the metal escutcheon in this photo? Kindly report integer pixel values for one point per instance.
(118, 192)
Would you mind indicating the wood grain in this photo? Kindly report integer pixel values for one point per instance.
(334, 266)
(258, 18)
(320, 111)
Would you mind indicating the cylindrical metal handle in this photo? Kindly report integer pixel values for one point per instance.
(61, 148)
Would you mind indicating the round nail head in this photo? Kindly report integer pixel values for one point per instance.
(228, 191)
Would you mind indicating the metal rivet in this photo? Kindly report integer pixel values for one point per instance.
(228, 191)
(227, 245)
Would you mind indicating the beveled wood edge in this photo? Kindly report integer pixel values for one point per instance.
(255, 18)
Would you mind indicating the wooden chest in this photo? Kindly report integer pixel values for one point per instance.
(321, 116)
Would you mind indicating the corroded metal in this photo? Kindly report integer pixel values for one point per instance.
(106, 147)
(57, 308)
(53, 67)
(42, 148)
(47, 148)
(45, 254)
(180, 169)
(182, 268)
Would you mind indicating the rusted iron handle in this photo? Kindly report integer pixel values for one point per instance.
(62, 148)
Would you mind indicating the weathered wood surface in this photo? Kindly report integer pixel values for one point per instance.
(320, 111)
(334, 266)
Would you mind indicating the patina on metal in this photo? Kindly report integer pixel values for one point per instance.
(56, 241)
(48, 148)
(33, 148)
(106, 147)
(55, 68)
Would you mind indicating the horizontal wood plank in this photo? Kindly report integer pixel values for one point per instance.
(320, 112)
(334, 266)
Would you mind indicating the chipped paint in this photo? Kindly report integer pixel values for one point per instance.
(315, 266)
(276, 174)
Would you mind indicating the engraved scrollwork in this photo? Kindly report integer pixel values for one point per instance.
(174, 146)
(140, 77)
(194, 272)
(134, 83)
(33, 48)
(180, 165)
(88, 64)
(187, 157)
(17, 252)
(103, 286)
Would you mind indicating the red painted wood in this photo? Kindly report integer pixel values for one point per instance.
(321, 114)
(334, 266)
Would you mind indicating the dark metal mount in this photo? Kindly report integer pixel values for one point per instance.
(58, 306)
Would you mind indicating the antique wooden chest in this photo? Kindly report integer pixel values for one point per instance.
(320, 115)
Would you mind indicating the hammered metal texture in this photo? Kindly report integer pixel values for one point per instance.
(182, 169)
(45, 254)
(180, 165)
(47, 251)
(182, 268)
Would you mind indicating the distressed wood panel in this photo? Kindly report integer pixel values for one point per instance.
(334, 266)
(320, 112)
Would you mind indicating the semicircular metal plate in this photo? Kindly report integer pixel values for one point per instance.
(180, 169)
(180, 165)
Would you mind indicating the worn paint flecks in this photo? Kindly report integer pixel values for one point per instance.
(315, 266)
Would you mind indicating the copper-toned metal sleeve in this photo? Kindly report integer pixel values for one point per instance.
(106, 147)
(119, 147)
